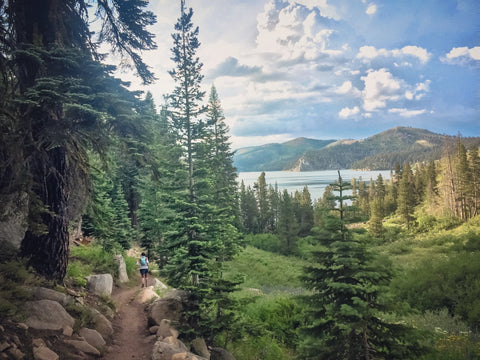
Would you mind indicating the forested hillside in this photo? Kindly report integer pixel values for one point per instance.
(378, 270)
(274, 157)
(378, 152)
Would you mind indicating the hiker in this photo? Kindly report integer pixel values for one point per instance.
(143, 262)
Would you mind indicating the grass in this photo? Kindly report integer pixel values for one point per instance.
(266, 271)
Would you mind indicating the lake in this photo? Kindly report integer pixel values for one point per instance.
(315, 180)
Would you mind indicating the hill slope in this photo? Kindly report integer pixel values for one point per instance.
(273, 157)
(381, 151)
(378, 152)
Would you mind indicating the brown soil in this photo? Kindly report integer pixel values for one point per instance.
(131, 339)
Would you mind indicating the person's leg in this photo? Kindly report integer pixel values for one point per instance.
(146, 278)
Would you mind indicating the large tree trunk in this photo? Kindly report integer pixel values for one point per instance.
(48, 252)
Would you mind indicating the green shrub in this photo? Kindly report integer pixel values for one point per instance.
(451, 282)
(100, 260)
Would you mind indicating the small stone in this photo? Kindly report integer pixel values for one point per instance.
(4, 345)
(68, 331)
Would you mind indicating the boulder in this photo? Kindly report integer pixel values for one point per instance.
(93, 337)
(199, 347)
(122, 269)
(169, 307)
(44, 353)
(83, 346)
(146, 295)
(47, 315)
(165, 329)
(220, 354)
(102, 324)
(41, 293)
(157, 284)
(101, 284)
(164, 351)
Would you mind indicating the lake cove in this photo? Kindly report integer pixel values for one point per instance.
(315, 180)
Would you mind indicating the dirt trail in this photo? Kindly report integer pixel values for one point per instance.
(130, 339)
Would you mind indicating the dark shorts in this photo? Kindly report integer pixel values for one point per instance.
(143, 271)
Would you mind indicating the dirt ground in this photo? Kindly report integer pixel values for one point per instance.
(131, 339)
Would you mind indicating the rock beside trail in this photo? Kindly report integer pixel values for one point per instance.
(83, 346)
(101, 284)
(169, 307)
(102, 324)
(199, 347)
(146, 295)
(221, 354)
(47, 315)
(41, 293)
(122, 269)
(93, 337)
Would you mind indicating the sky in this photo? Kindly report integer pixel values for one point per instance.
(331, 69)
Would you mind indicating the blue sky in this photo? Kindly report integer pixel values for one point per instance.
(330, 69)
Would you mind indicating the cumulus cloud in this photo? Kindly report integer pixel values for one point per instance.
(371, 9)
(347, 112)
(348, 89)
(380, 87)
(292, 30)
(462, 55)
(368, 53)
(407, 113)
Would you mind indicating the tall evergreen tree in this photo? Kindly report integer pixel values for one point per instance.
(345, 312)
(406, 195)
(51, 51)
(287, 224)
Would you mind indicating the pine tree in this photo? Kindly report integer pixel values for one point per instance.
(261, 191)
(406, 198)
(345, 310)
(287, 225)
(50, 50)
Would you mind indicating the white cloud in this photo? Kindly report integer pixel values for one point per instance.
(348, 89)
(407, 113)
(462, 55)
(371, 9)
(368, 53)
(290, 30)
(380, 87)
(347, 112)
(322, 5)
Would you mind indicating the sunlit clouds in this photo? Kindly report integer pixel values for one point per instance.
(331, 69)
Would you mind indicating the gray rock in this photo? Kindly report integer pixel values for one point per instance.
(42, 293)
(221, 354)
(163, 351)
(102, 324)
(83, 346)
(44, 353)
(93, 337)
(169, 307)
(157, 284)
(122, 269)
(101, 284)
(199, 347)
(165, 329)
(47, 315)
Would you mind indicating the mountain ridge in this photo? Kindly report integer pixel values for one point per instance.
(377, 152)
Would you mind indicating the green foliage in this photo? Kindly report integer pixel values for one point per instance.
(267, 242)
(451, 282)
(13, 273)
(92, 260)
(266, 271)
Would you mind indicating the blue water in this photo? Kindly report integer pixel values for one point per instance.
(315, 180)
